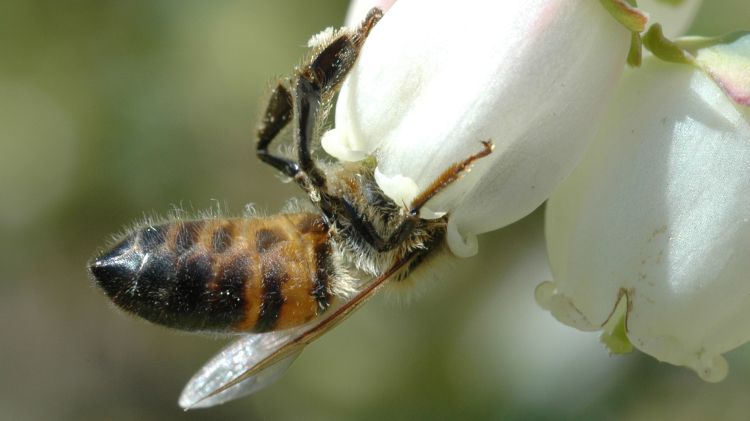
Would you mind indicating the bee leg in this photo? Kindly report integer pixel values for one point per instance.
(373, 16)
(367, 231)
(278, 114)
(316, 85)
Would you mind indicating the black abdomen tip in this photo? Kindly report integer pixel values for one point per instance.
(164, 275)
(115, 269)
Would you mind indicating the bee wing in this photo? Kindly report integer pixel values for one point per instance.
(257, 360)
(237, 358)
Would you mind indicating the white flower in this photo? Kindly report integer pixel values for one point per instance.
(658, 213)
(434, 81)
(650, 234)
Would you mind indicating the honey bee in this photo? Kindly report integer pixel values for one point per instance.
(284, 280)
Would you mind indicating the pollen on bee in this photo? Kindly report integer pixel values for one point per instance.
(322, 38)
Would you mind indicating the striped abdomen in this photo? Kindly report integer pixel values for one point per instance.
(223, 275)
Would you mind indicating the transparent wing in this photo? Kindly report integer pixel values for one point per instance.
(257, 360)
(237, 358)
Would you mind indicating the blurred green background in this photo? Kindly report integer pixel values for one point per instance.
(110, 110)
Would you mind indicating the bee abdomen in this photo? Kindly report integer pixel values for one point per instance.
(222, 275)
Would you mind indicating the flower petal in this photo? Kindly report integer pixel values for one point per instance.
(729, 65)
(433, 82)
(674, 17)
(658, 214)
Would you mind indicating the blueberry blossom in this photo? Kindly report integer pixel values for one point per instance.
(657, 215)
(432, 82)
(649, 238)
